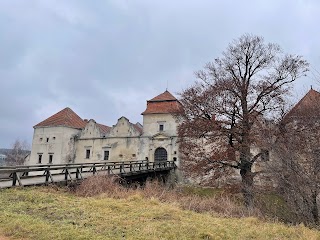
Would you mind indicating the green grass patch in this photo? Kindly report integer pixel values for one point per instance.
(202, 191)
(273, 206)
(44, 213)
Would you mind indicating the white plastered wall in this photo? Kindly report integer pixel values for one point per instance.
(60, 144)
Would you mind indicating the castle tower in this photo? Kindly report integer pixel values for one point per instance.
(53, 138)
(160, 126)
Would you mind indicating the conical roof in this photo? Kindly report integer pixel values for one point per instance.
(65, 118)
(163, 103)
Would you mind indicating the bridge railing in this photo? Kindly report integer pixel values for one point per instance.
(75, 171)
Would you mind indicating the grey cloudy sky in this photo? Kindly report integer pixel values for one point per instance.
(104, 59)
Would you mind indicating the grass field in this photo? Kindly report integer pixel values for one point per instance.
(46, 213)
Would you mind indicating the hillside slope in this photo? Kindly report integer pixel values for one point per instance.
(44, 213)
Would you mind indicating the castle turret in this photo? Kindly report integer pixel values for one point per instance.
(160, 126)
(159, 115)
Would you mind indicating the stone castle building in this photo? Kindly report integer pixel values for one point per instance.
(66, 138)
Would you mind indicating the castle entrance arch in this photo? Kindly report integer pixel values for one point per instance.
(160, 155)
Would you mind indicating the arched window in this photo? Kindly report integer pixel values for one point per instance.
(160, 155)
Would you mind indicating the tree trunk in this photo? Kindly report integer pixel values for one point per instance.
(247, 187)
(246, 177)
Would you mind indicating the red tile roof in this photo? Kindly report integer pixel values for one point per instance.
(163, 103)
(166, 96)
(310, 102)
(65, 117)
(138, 127)
(103, 128)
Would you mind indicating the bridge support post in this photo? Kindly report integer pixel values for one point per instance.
(66, 176)
(48, 175)
(15, 178)
(78, 173)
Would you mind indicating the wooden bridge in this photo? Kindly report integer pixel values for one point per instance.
(66, 173)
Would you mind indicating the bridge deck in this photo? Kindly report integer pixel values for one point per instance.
(55, 173)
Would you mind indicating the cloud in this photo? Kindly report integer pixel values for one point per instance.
(104, 59)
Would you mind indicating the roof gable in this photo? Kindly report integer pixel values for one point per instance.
(124, 128)
(308, 104)
(165, 96)
(65, 118)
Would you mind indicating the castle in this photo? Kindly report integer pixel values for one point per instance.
(66, 138)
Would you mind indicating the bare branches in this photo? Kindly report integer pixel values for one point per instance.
(234, 93)
(18, 153)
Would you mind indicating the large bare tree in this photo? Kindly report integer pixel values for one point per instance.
(247, 84)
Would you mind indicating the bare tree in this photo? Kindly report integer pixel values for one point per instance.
(18, 153)
(249, 82)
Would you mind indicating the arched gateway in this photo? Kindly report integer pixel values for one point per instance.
(160, 155)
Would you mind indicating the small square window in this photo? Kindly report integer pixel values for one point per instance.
(88, 153)
(50, 158)
(161, 127)
(133, 155)
(120, 155)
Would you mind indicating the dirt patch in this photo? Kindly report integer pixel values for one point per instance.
(4, 238)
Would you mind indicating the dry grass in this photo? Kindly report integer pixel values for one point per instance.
(219, 204)
(49, 213)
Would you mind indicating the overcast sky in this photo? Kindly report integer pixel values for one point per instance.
(104, 59)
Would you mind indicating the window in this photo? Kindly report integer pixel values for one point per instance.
(120, 155)
(174, 159)
(47, 139)
(54, 138)
(40, 139)
(50, 158)
(39, 158)
(161, 125)
(265, 155)
(133, 155)
(88, 153)
(175, 152)
(106, 155)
